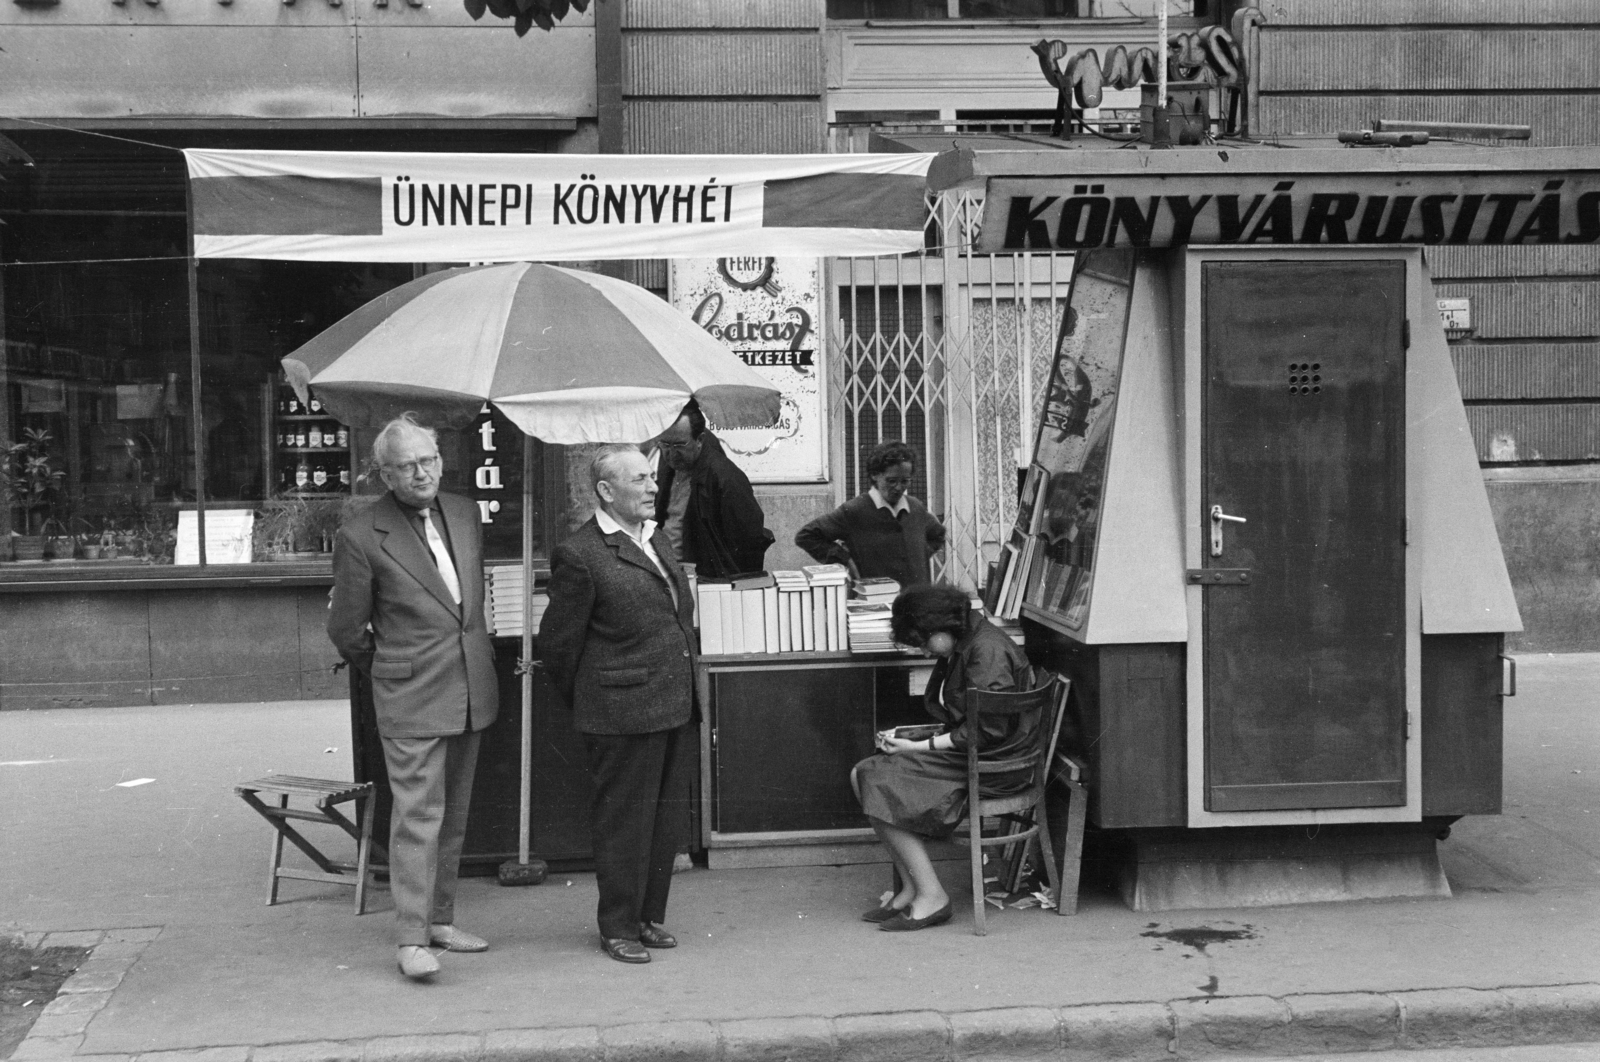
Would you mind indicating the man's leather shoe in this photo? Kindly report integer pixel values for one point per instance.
(624, 950)
(655, 937)
(417, 962)
(904, 923)
(452, 939)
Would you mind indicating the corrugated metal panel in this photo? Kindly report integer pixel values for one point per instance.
(722, 126)
(1564, 432)
(1555, 309)
(1404, 12)
(646, 272)
(1556, 119)
(722, 64)
(731, 14)
(1447, 262)
(1528, 370)
(1380, 60)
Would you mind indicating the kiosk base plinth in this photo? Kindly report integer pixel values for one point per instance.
(532, 872)
(1271, 866)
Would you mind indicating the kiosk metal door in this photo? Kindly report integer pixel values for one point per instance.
(1304, 624)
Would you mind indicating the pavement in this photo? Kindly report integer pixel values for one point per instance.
(166, 879)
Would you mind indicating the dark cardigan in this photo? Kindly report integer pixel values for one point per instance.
(879, 544)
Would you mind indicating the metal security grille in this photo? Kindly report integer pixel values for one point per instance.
(946, 350)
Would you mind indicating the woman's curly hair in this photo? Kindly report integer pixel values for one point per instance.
(886, 455)
(922, 611)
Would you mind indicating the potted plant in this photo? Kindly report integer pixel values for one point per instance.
(32, 483)
(278, 527)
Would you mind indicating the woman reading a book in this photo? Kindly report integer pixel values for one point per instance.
(884, 533)
(916, 788)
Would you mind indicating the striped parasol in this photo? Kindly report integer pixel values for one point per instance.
(569, 357)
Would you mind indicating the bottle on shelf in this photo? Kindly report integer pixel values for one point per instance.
(343, 436)
(319, 475)
(314, 437)
(315, 404)
(302, 474)
(292, 405)
(344, 476)
(300, 436)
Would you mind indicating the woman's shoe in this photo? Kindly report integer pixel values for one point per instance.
(904, 923)
(881, 914)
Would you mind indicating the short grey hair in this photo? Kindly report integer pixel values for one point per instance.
(403, 425)
(604, 463)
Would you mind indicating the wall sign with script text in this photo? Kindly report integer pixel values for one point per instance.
(1044, 213)
(767, 311)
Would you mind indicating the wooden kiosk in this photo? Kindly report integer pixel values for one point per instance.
(1264, 551)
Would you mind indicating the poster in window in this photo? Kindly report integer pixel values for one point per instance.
(1073, 446)
(766, 310)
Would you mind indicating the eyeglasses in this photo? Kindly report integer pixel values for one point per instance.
(409, 468)
(669, 444)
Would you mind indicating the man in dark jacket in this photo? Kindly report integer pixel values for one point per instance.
(618, 641)
(705, 503)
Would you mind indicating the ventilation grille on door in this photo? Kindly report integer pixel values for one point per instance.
(1305, 378)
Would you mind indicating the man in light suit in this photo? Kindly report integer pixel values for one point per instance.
(618, 640)
(408, 611)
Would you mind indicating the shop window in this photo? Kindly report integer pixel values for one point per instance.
(97, 401)
(99, 419)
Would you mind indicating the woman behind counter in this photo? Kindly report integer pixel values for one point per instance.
(916, 790)
(884, 532)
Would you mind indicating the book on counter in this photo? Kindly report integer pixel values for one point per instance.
(869, 628)
(880, 588)
(775, 612)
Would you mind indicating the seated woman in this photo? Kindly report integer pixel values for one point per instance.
(916, 790)
(884, 533)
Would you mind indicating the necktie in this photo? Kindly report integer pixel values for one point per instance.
(441, 556)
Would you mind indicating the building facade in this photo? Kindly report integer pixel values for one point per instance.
(127, 430)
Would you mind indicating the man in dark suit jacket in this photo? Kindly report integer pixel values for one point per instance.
(706, 504)
(407, 610)
(618, 641)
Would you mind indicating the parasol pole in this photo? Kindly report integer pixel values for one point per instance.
(526, 871)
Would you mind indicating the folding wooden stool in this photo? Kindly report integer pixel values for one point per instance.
(326, 796)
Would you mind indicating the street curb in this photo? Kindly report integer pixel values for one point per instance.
(1203, 1028)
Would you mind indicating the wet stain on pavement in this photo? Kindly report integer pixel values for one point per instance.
(1199, 937)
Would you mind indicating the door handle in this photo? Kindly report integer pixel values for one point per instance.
(1217, 516)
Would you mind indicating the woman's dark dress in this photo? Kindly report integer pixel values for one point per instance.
(925, 790)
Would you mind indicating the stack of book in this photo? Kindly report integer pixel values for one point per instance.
(502, 604)
(878, 591)
(869, 627)
(794, 608)
(774, 612)
(829, 589)
(735, 614)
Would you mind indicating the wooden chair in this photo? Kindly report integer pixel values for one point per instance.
(1071, 773)
(1022, 816)
(325, 796)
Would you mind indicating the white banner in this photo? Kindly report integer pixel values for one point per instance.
(766, 310)
(442, 207)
